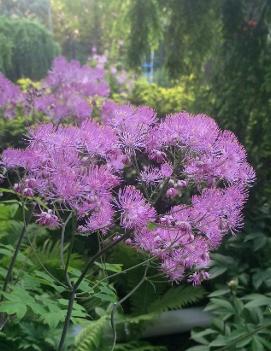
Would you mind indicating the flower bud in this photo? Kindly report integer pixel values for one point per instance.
(181, 184)
(28, 192)
(172, 192)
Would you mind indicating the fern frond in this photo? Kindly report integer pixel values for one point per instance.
(138, 346)
(90, 338)
(48, 255)
(177, 297)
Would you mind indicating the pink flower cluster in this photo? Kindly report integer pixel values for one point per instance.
(178, 185)
(68, 90)
(10, 97)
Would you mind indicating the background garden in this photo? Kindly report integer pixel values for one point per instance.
(202, 56)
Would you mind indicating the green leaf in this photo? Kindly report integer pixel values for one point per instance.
(220, 292)
(111, 267)
(200, 336)
(8, 211)
(4, 190)
(256, 344)
(177, 297)
(151, 226)
(89, 339)
(53, 318)
(216, 271)
(45, 279)
(106, 293)
(257, 300)
(220, 303)
(219, 341)
(11, 307)
(199, 348)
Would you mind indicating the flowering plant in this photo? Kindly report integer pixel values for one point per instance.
(68, 92)
(172, 187)
(121, 81)
(179, 185)
(10, 97)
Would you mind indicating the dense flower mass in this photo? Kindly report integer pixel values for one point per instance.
(10, 97)
(68, 92)
(69, 88)
(176, 186)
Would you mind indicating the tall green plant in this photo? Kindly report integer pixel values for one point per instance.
(27, 49)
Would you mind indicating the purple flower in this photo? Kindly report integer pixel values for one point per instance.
(69, 89)
(10, 97)
(131, 124)
(135, 211)
(151, 175)
(172, 192)
(194, 177)
(225, 160)
(48, 219)
(198, 277)
(184, 130)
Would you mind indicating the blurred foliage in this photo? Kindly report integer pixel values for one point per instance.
(237, 91)
(145, 29)
(163, 100)
(240, 83)
(101, 24)
(32, 9)
(12, 131)
(240, 323)
(26, 49)
(26, 83)
(240, 301)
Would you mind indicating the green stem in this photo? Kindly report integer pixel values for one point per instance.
(142, 280)
(8, 277)
(65, 266)
(16, 252)
(77, 284)
(63, 239)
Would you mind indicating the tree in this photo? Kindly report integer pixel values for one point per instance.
(27, 49)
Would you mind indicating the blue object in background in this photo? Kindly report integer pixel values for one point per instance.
(148, 68)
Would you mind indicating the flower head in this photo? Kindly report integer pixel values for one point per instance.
(135, 211)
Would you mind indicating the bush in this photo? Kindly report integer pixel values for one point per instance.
(164, 100)
(13, 130)
(26, 49)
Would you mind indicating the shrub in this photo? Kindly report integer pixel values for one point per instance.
(26, 49)
(164, 100)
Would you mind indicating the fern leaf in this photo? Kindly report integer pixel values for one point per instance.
(137, 346)
(177, 297)
(90, 338)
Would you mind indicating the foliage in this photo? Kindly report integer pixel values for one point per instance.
(164, 100)
(139, 346)
(13, 130)
(27, 49)
(32, 9)
(239, 324)
(176, 298)
(100, 25)
(90, 338)
(182, 33)
(239, 83)
(36, 302)
(240, 301)
(144, 18)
